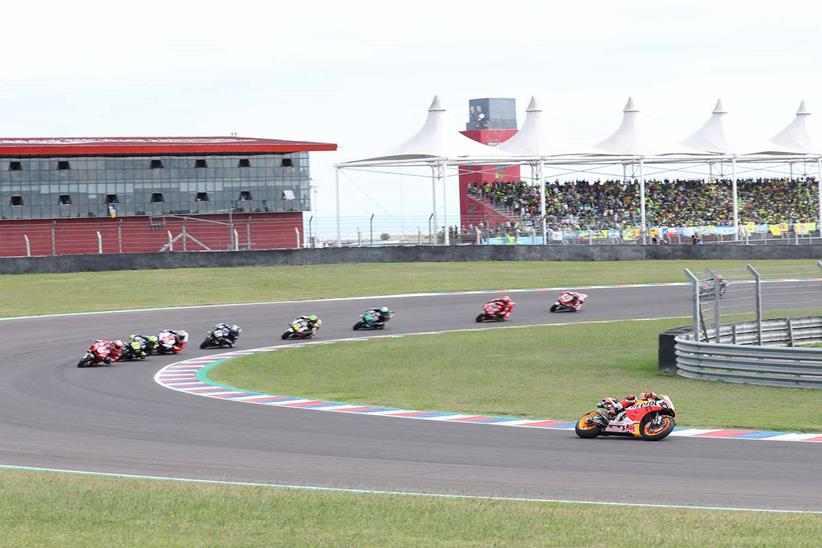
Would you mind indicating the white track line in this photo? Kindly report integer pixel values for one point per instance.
(398, 493)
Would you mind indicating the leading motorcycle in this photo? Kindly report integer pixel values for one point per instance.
(495, 311)
(569, 301)
(650, 419)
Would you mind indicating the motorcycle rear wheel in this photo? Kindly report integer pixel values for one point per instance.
(653, 432)
(585, 430)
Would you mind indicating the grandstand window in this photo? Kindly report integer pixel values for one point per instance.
(200, 163)
(65, 199)
(157, 198)
(287, 162)
(63, 164)
(16, 200)
(244, 162)
(245, 196)
(112, 199)
(15, 166)
(201, 196)
(157, 164)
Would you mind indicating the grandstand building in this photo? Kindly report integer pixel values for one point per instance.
(149, 194)
(491, 121)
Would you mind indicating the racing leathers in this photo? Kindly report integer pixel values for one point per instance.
(107, 351)
(614, 407)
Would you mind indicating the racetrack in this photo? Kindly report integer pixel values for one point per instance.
(118, 420)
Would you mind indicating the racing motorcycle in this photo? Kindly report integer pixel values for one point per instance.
(650, 419)
(707, 288)
(171, 342)
(299, 330)
(372, 320)
(133, 350)
(566, 303)
(221, 336)
(495, 312)
(97, 353)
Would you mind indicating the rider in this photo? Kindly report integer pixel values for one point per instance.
(380, 315)
(614, 407)
(107, 351)
(173, 341)
(571, 298)
(147, 344)
(504, 304)
(230, 332)
(312, 322)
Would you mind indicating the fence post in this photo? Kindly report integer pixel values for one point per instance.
(236, 240)
(733, 333)
(591, 237)
(717, 311)
(184, 236)
(54, 238)
(479, 235)
(758, 301)
(297, 233)
(28, 245)
(170, 241)
(120, 236)
(795, 236)
(431, 228)
(371, 229)
(533, 236)
(419, 236)
(695, 281)
(359, 237)
(248, 245)
(790, 331)
(310, 232)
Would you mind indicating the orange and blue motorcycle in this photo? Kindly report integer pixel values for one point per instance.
(650, 419)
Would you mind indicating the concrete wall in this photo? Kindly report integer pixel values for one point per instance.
(135, 261)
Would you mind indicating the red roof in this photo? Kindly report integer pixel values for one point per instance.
(118, 146)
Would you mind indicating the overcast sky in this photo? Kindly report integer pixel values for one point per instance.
(362, 74)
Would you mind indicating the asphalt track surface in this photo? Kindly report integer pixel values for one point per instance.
(117, 420)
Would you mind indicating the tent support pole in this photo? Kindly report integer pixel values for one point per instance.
(434, 200)
(735, 199)
(642, 223)
(337, 201)
(444, 176)
(819, 192)
(541, 175)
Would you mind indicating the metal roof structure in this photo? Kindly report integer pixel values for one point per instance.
(131, 146)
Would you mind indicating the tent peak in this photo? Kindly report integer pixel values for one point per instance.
(803, 109)
(435, 105)
(630, 106)
(534, 107)
(719, 108)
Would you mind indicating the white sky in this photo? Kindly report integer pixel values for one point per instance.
(362, 74)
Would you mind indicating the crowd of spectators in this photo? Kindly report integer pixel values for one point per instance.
(671, 203)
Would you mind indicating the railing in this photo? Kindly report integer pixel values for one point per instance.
(777, 363)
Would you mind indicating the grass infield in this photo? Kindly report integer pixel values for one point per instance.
(552, 372)
(28, 294)
(48, 509)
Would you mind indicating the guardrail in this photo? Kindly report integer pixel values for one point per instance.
(776, 363)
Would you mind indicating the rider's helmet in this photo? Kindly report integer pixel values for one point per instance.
(383, 310)
(506, 299)
(234, 330)
(630, 398)
(312, 318)
(182, 336)
(118, 344)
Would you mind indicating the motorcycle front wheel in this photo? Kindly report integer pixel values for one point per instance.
(358, 326)
(654, 427)
(586, 429)
(480, 318)
(205, 344)
(286, 335)
(87, 361)
(554, 307)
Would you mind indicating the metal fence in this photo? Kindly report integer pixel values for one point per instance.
(731, 337)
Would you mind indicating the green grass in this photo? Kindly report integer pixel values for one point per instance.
(40, 509)
(519, 372)
(90, 291)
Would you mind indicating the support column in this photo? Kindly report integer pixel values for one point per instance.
(642, 221)
(337, 199)
(541, 175)
(819, 193)
(444, 176)
(434, 200)
(735, 199)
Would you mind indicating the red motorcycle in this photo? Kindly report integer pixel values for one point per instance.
(101, 352)
(496, 311)
(569, 301)
(650, 419)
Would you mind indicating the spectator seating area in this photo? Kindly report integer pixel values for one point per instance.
(610, 204)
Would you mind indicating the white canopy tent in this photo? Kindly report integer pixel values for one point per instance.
(438, 145)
